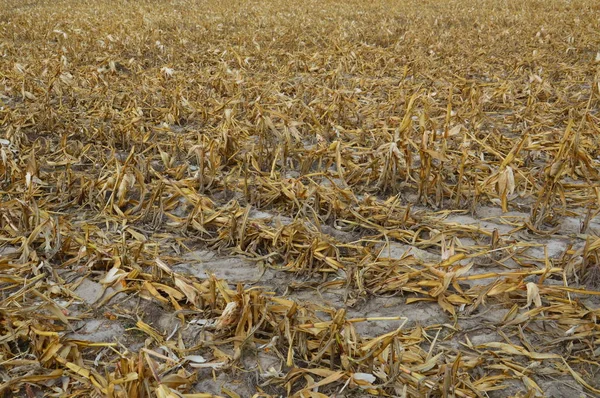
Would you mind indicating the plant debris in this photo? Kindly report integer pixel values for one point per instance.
(312, 199)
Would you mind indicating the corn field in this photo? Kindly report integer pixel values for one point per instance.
(311, 199)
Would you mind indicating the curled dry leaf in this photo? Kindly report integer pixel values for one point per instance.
(190, 291)
(533, 295)
(113, 276)
(229, 316)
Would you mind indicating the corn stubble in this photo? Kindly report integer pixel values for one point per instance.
(132, 131)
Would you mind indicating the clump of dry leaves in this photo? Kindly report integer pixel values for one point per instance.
(134, 132)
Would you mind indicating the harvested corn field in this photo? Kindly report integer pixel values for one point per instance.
(299, 199)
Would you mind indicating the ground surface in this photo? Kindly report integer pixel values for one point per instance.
(324, 199)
